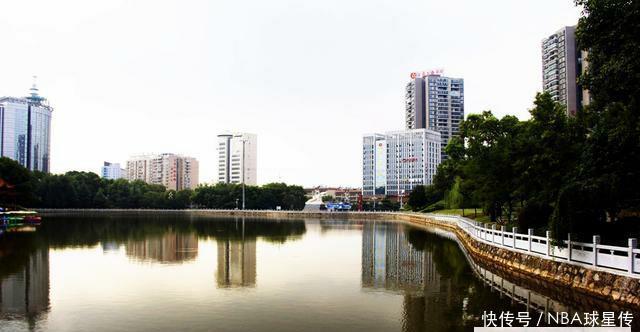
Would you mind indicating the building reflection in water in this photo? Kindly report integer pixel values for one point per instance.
(236, 261)
(391, 263)
(169, 248)
(110, 247)
(25, 294)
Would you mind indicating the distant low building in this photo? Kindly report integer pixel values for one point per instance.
(112, 171)
(339, 193)
(173, 171)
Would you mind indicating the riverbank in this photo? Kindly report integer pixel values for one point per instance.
(616, 286)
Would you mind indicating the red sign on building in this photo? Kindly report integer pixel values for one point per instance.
(426, 73)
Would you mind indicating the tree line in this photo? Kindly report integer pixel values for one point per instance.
(575, 174)
(20, 187)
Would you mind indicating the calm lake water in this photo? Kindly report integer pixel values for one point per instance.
(188, 273)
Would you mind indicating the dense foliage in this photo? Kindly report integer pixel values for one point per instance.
(268, 196)
(18, 186)
(15, 182)
(384, 204)
(575, 174)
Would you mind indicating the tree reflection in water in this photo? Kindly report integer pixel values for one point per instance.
(160, 239)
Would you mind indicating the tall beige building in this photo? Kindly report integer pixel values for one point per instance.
(173, 171)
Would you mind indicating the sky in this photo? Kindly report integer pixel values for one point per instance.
(308, 77)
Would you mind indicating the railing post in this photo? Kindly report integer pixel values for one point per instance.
(514, 230)
(548, 234)
(596, 242)
(633, 243)
(569, 247)
(486, 228)
(503, 229)
(493, 233)
(530, 234)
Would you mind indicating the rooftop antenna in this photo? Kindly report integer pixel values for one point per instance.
(34, 87)
(35, 97)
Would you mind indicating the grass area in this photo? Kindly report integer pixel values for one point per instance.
(469, 213)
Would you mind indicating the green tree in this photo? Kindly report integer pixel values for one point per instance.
(15, 182)
(487, 166)
(609, 30)
(100, 200)
(418, 198)
(606, 181)
(547, 151)
(454, 199)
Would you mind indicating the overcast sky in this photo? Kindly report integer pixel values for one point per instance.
(308, 77)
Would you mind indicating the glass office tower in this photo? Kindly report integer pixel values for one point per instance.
(25, 130)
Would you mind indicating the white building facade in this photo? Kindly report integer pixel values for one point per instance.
(238, 158)
(175, 172)
(25, 130)
(112, 171)
(395, 162)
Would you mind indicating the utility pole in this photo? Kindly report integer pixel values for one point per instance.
(243, 171)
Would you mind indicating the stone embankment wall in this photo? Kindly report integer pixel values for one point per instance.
(620, 289)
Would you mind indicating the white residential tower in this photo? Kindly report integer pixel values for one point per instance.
(238, 158)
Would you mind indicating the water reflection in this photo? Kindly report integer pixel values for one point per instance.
(171, 247)
(431, 273)
(327, 225)
(390, 262)
(236, 263)
(404, 278)
(153, 236)
(24, 282)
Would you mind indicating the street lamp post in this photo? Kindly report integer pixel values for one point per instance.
(243, 171)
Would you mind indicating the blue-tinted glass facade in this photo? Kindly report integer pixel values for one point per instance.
(25, 132)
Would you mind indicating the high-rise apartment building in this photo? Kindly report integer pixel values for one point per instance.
(173, 171)
(396, 162)
(435, 102)
(561, 65)
(25, 130)
(112, 171)
(238, 158)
